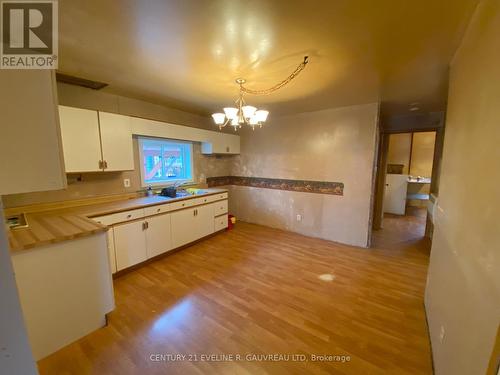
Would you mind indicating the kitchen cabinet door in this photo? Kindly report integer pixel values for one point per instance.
(204, 220)
(111, 250)
(80, 139)
(191, 224)
(183, 226)
(158, 239)
(232, 144)
(221, 143)
(130, 244)
(30, 140)
(116, 141)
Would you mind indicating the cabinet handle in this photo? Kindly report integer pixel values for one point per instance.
(129, 216)
(147, 224)
(143, 226)
(105, 164)
(101, 164)
(158, 209)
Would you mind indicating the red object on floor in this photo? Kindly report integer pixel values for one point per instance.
(230, 224)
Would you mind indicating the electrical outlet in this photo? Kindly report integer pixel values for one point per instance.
(441, 334)
(126, 182)
(299, 217)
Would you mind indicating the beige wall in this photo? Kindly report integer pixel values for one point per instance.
(422, 154)
(463, 289)
(97, 184)
(330, 145)
(399, 150)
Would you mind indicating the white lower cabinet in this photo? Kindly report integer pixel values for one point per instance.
(204, 220)
(183, 230)
(220, 223)
(158, 238)
(130, 244)
(134, 237)
(192, 224)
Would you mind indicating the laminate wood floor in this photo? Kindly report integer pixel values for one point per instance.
(256, 291)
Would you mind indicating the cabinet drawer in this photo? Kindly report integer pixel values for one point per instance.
(188, 203)
(220, 207)
(217, 197)
(220, 222)
(120, 217)
(159, 209)
(182, 204)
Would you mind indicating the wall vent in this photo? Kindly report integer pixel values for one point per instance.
(77, 81)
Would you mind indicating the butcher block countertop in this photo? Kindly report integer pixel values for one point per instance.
(62, 224)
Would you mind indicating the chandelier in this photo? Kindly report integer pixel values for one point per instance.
(244, 114)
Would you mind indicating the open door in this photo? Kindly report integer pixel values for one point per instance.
(396, 186)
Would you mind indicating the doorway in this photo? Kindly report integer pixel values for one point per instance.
(407, 165)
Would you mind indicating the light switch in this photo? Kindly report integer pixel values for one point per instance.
(126, 182)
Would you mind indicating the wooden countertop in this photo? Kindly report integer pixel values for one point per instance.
(73, 222)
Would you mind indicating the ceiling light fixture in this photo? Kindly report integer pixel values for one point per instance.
(246, 114)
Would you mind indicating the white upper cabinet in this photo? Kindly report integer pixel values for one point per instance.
(81, 140)
(30, 140)
(95, 141)
(116, 141)
(212, 142)
(221, 143)
(232, 144)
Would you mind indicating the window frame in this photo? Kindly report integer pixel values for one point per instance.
(144, 184)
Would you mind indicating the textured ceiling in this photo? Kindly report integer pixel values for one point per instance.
(187, 53)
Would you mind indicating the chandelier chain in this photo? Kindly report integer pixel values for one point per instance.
(276, 87)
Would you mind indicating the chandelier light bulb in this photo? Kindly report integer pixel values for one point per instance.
(253, 120)
(248, 111)
(231, 112)
(261, 115)
(219, 118)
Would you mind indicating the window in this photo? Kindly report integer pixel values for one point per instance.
(165, 161)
